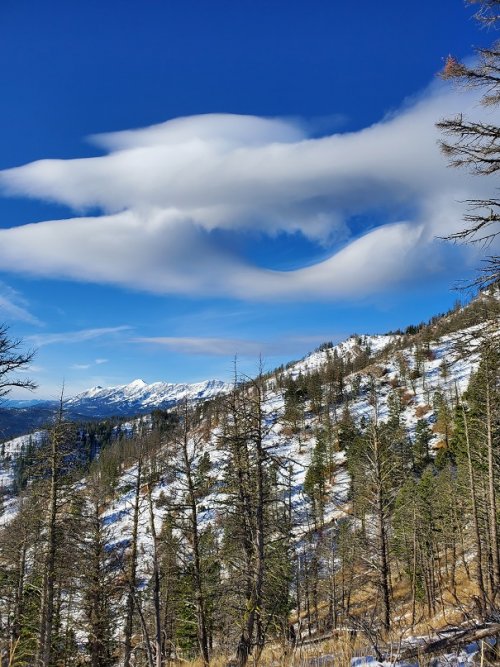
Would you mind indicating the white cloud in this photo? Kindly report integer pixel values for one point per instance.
(14, 307)
(209, 346)
(224, 347)
(96, 362)
(75, 336)
(33, 368)
(162, 190)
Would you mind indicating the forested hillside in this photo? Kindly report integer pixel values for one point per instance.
(354, 493)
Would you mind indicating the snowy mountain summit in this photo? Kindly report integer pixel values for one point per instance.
(139, 397)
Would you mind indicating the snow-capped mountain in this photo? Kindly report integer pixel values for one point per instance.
(128, 400)
(138, 397)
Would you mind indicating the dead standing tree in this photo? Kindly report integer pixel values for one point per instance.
(476, 144)
(13, 361)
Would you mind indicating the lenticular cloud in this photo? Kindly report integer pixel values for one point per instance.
(162, 191)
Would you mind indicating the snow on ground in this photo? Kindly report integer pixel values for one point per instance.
(351, 347)
(386, 371)
(10, 450)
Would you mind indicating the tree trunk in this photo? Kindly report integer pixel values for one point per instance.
(156, 582)
(492, 507)
(475, 516)
(47, 607)
(198, 576)
(384, 581)
(132, 573)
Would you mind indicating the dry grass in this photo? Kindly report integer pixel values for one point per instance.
(422, 410)
(343, 646)
(407, 397)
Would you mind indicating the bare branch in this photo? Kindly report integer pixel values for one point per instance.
(12, 361)
(475, 144)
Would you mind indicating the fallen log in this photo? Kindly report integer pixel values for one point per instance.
(451, 642)
(332, 634)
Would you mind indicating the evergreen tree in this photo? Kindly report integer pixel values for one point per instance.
(421, 446)
(484, 400)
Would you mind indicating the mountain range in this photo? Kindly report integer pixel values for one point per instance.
(128, 400)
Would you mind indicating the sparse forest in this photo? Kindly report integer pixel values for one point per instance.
(352, 500)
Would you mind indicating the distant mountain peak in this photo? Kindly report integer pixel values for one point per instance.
(139, 397)
(137, 383)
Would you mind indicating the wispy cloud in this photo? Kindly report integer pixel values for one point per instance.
(14, 307)
(84, 367)
(33, 368)
(209, 346)
(80, 336)
(224, 347)
(163, 190)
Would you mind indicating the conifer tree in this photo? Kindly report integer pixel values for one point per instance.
(317, 475)
(469, 467)
(484, 399)
(253, 474)
(96, 573)
(421, 446)
(62, 441)
(375, 479)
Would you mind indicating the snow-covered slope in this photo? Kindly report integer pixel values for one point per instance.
(446, 368)
(347, 350)
(384, 370)
(9, 451)
(413, 372)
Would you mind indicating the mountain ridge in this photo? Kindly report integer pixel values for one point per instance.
(138, 397)
(127, 400)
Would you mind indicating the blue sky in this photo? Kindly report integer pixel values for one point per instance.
(185, 181)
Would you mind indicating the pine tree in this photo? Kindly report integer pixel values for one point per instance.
(97, 571)
(253, 475)
(317, 475)
(421, 446)
(484, 399)
(62, 442)
(374, 486)
(469, 465)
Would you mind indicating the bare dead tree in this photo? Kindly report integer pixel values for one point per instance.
(13, 361)
(475, 145)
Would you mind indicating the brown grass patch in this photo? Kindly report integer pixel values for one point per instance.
(422, 410)
(407, 397)
(440, 444)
